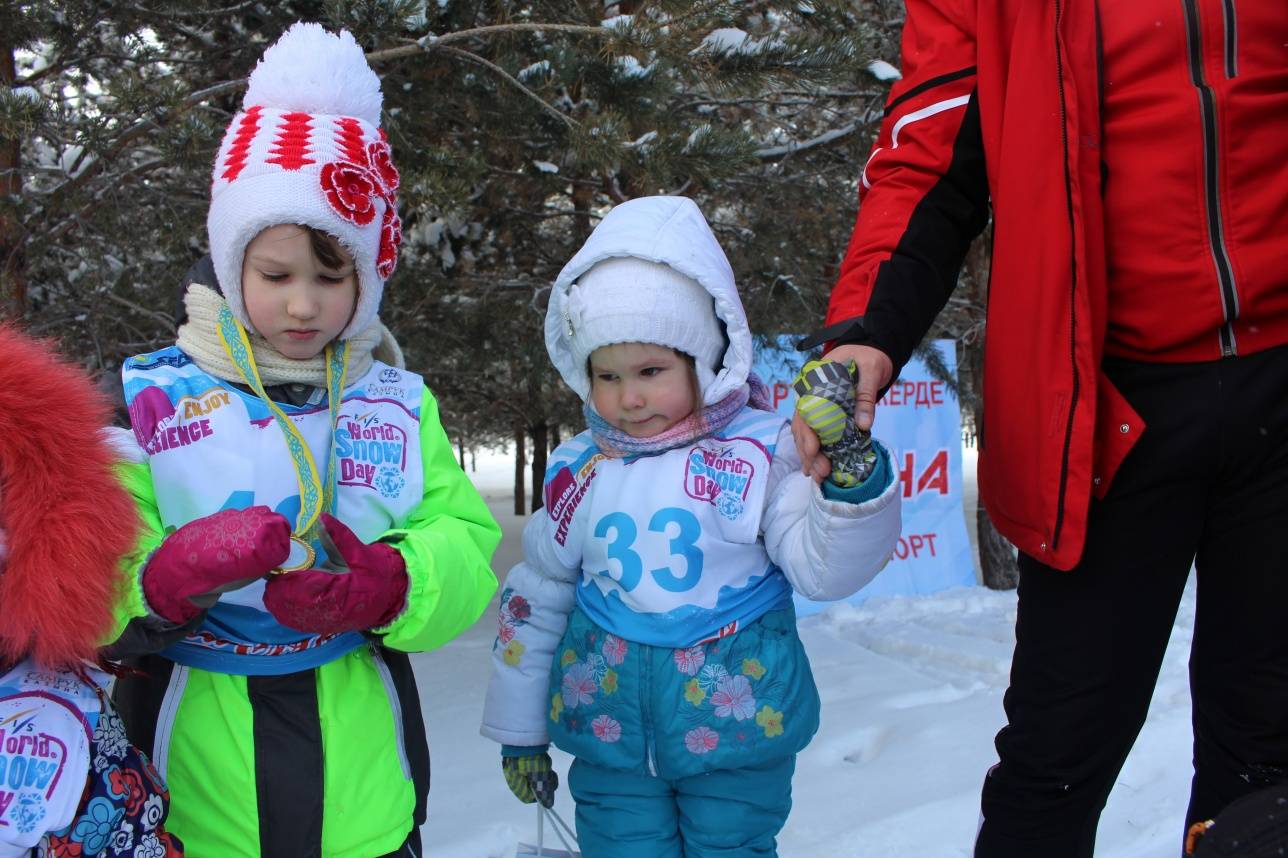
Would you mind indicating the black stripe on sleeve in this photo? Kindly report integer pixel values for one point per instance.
(928, 84)
(913, 285)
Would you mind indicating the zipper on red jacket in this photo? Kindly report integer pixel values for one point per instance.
(1231, 40)
(1073, 287)
(1216, 231)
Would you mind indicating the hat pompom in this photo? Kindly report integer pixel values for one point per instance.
(313, 71)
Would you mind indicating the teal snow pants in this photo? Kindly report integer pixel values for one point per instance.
(682, 753)
(729, 813)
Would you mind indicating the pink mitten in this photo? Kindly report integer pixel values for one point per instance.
(211, 555)
(372, 593)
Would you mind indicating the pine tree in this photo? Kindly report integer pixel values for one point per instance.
(109, 121)
(758, 110)
(516, 126)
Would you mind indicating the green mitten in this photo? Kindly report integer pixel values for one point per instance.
(531, 778)
(826, 404)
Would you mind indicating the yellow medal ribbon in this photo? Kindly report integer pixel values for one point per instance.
(317, 491)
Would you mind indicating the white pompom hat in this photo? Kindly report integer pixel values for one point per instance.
(631, 300)
(651, 271)
(307, 148)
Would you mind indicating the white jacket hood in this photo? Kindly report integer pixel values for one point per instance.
(671, 231)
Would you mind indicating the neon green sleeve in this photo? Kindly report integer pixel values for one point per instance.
(447, 542)
(137, 480)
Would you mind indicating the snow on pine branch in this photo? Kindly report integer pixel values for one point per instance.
(541, 68)
(643, 141)
(724, 39)
(629, 67)
(771, 152)
(882, 70)
(731, 40)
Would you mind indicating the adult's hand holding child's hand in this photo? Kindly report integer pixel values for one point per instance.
(875, 370)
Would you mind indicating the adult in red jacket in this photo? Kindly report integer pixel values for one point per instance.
(1136, 381)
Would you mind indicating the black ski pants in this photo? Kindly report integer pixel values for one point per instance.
(1206, 484)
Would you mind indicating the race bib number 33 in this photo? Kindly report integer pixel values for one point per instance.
(670, 549)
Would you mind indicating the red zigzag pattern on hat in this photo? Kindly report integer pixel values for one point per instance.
(349, 138)
(291, 148)
(235, 160)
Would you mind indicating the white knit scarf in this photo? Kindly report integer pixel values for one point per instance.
(199, 339)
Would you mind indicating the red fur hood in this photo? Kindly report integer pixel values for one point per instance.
(67, 520)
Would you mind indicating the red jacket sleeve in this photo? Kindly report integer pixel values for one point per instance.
(923, 194)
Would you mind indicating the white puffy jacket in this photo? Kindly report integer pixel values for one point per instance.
(826, 549)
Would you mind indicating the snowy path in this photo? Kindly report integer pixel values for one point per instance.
(912, 696)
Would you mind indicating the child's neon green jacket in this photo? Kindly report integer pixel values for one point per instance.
(329, 760)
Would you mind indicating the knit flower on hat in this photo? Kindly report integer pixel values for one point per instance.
(351, 190)
(390, 240)
(381, 160)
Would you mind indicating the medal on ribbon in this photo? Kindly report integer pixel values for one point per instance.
(317, 489)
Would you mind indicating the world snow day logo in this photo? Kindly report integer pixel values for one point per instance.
(371, 454)
(31, 763)
(718, 476)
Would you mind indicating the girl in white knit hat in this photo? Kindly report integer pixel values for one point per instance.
(306, 524)
(649, 630)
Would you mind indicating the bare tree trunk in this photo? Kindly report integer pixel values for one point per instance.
(997, 559)
(474, 459)
(460, 451)
(583, 199)
(556, 436)
(997, 562)
(13, 285)
(520, 460)
(539, 450)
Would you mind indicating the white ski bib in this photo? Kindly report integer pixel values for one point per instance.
(669, 544)
(212, 446)
(47, 721)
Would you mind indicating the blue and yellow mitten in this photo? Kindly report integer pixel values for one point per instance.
(826, 404)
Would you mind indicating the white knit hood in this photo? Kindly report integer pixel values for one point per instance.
(673, 232)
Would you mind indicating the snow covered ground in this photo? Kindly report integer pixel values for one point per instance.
(912, 696)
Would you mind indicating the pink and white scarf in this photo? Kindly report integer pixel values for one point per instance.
(617, 444)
